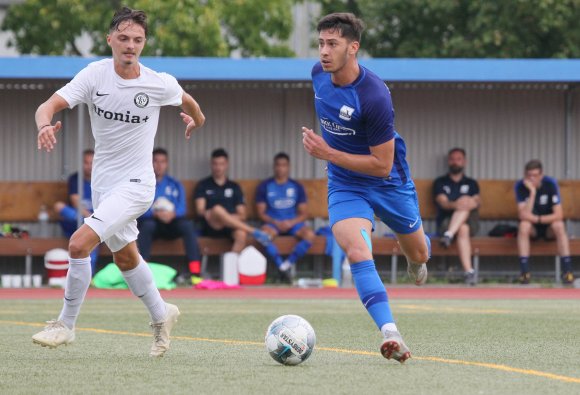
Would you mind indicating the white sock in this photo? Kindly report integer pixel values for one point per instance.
(390, 327)
(78, 279)
(140, 281)
(448, 234)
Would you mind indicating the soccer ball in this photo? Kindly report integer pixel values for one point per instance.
(290, 340)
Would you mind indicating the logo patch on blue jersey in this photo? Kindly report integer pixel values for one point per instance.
(346, 113)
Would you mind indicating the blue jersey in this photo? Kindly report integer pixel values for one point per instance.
(73, 189)
(354, 118)
(547, 195)
(172, 190)
(282, 200)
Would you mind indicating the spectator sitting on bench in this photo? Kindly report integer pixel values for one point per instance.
(541, 216)
(68, 212)
(281, 205)
(219, 202)
(457, 200)
(166, 219)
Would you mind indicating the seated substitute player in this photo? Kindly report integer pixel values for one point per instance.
(166, 218)
(457, 200)
(367, 169)
(541, 216)
(281, 205)
(219, 203)
(124, 99)
(68, 212)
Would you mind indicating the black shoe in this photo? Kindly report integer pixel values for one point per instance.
(568, 278)
(470, 278)
(525, 278)
(445, 241)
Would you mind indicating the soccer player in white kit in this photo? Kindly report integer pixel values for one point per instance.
(124, 99)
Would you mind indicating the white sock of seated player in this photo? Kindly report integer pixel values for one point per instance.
(78, 279)
(140, 281)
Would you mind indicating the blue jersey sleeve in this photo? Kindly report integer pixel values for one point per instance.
(261, 192)
(180, 205)
(73, 187)
(555, 190)
(521, 192)
(377, 106)
(301, 194)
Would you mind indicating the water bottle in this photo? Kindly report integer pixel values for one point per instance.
(43, 218)
(346, 275)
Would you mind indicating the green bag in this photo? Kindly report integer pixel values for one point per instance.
(110, 277)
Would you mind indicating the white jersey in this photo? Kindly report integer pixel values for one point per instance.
(124, 117)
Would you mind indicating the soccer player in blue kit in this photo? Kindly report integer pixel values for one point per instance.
(367, 170)
(281, 205)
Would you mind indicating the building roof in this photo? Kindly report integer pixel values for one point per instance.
(291, 69)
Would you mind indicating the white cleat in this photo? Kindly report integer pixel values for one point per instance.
(394, 347)
(418, 273)
(54, 334)
(162, 330)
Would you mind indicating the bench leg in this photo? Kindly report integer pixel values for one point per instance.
(203, 269)
(28, 264)
(394, 262)
(476, 268)
(558, 270)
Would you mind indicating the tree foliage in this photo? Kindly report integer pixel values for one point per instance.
(466, 28)
(176, 27)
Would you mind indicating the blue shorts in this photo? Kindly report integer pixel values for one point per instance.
(397, 207)
(292, 231)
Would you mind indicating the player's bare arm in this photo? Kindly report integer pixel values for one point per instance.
(191, 115)
(557, 215)
(46, 130)
(200, 205)
(379, 163)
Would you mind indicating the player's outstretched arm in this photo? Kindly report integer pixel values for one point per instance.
(191, 115)
(379, 163)
(46, 131)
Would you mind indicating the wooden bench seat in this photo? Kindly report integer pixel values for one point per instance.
(21, 201)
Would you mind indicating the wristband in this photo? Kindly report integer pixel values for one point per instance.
(43, 126)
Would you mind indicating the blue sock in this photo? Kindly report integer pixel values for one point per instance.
(273, 253)
(299, 251)
(524, 264)
(566, 263)
(371, 291)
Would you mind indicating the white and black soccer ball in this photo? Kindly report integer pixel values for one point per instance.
(290, 340)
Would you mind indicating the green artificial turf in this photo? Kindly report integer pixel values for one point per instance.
(459, 347)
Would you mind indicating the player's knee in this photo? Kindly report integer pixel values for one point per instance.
(419, 255)
(358, 254)
(76, 248)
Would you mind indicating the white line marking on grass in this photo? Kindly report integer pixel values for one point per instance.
(505, 368)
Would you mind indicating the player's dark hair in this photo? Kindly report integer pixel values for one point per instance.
(533, 165)
(219, 153)
(457, 149)
(128, 14)
(347, 24)
(160, 151)
(88, 151)
(281, 155)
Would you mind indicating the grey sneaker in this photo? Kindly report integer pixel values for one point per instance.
(418, 273)
(162, 330)
(54, 334)
(470, 278)
(394, 347)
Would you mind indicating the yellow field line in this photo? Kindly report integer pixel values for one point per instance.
(494, 366)
(451, 309)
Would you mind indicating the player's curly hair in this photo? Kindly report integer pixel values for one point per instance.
(128, 14)
(349, 26)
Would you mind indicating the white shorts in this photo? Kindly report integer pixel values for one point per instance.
(116, 211)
